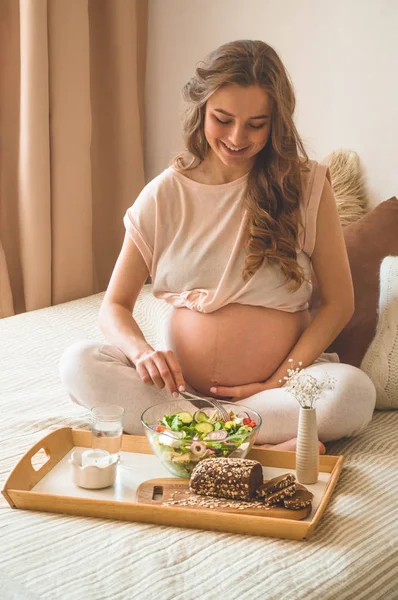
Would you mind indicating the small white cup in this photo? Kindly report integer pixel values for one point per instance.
(92, 476)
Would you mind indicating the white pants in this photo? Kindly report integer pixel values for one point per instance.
(96, 374)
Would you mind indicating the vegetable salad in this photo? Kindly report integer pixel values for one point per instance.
(183, 439)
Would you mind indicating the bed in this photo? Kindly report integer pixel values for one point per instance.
(352, 555)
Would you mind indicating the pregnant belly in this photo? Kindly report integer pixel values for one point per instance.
(234, 345)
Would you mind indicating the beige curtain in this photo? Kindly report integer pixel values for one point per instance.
(71, 144)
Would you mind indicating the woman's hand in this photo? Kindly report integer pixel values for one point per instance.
(239, 392)
(160, 368)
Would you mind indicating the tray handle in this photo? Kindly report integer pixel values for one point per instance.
(24, 476)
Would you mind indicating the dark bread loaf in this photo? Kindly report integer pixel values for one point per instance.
(236, 478)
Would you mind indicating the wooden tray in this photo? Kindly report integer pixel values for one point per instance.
(19, 493)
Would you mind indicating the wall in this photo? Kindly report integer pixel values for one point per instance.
(342, 57)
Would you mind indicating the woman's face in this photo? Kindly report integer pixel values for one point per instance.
(238, 124)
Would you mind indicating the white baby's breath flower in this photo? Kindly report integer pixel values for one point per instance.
(306, 388)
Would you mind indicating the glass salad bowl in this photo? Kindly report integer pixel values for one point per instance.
(183, 432)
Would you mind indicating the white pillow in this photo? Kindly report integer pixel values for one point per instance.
(381, 359)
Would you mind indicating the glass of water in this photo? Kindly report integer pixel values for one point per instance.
(107, 428)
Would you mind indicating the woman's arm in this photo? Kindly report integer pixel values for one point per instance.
(332, 270)
(115, 316)
(155, 367)
(331, 267)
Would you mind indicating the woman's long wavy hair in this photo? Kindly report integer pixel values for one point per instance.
(274, 183)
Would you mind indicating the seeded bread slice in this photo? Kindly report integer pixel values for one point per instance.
(300, 499)
(276, 484)
(279, 496)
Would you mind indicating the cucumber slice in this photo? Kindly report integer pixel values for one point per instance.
(204, 427)
(201, 416)
(185, 417)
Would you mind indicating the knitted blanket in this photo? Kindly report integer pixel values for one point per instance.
(381, 359)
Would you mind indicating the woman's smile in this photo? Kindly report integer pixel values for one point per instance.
(232, 152)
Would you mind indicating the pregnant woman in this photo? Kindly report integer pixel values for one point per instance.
(230, 234)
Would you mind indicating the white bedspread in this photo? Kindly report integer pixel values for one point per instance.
(352, 555)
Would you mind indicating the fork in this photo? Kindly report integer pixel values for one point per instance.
(216, 404)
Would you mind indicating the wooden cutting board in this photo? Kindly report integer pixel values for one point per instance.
(158, 491)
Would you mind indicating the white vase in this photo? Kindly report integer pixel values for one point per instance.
(307, 451)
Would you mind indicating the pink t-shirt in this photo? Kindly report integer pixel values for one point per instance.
(190, 235)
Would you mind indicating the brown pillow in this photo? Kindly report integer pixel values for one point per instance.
(368, 241)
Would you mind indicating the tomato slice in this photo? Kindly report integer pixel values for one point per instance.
(249, 422)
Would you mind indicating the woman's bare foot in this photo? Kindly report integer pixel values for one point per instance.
(288, 446)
